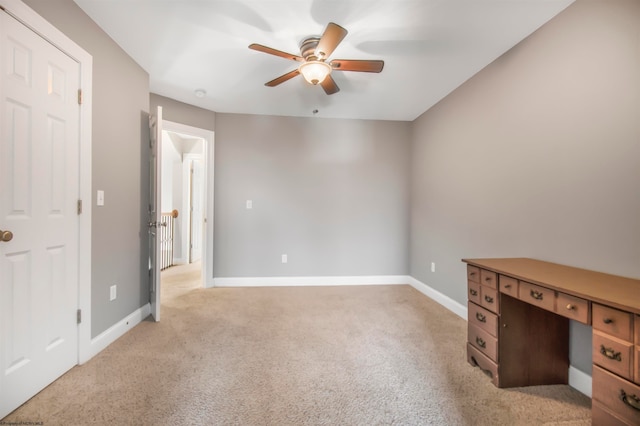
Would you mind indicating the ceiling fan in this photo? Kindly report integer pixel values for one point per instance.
(315, 67)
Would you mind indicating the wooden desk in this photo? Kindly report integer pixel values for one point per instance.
(519, 312)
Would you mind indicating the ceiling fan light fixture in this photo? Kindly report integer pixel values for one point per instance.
(314, 64)
(315, 71)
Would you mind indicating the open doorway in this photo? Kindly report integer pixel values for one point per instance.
(186, 185)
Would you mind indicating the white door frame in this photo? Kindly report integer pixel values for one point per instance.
(208, 165)
(39, 25)
(155, 210)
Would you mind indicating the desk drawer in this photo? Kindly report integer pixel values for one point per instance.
(601, 416)
(486, 320)
(509, 286)
(483, 341)
(473, 273)
(480, 360)
(637, 367)
(573, 307)
(488, 278)
(489, 298)
(613, 354)
(617, 395)
(474, 292)
(613, 322)
(537, 296)
(637, 357)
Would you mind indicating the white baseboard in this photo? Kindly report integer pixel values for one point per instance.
(580, 381)
(110, 335)
(442, 299)
(309, 281)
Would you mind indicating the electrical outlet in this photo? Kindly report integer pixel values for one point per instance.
(112, 293)
(249, 204)
(284, 258)
(433, 266)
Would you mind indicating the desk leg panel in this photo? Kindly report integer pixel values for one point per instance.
(533, 345)
(483, 362)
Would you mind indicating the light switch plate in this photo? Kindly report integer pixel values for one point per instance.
(100, 198)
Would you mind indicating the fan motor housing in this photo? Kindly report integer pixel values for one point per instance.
(308, 48)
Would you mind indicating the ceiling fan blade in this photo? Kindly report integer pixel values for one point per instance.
(357, 65)
(282, 78)
(331, 38)
(329, 85)
(269, 50)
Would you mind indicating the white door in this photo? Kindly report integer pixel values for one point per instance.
(197, 210)
(39, 191)
(155, 124)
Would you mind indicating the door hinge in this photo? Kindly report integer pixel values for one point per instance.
(79, 316)
(79, 96)
(79, 206)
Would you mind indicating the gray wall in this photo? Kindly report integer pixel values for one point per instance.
(331, 194)
(120, 107)
(537, 156)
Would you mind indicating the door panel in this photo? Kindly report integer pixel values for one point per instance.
(197, 211)
(39, 189)
(17, 145)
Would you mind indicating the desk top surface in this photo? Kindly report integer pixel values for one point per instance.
(612, 290)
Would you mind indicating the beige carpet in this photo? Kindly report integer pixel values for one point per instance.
(370, 355)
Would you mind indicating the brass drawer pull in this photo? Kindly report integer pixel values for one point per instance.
(471, 274)
(473, 292)
(607, 320)
(480, 341)
(487, 372)
(536, 295)
(507, 286)
(610, 353)
(489, 299)
(571, 307)
(481, 317)
(487, 278)
(630, 400)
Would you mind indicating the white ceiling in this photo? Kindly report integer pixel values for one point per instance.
(430, 47)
